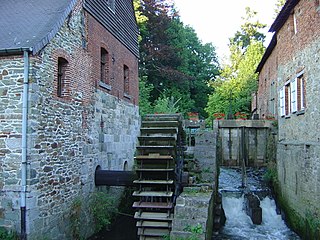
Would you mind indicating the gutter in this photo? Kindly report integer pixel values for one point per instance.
(14, 51)
(25, 96)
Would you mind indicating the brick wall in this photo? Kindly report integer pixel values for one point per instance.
(267, 100)
(298, 147)
(118, 57)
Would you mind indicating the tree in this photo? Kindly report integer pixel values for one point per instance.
(145, 89)
(279, 5)
(238, 80)
(173, 59)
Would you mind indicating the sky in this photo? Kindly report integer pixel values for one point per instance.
(216, 21)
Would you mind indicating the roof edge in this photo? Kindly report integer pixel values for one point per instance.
(267, 53)
(14, 51)
(283, 15)
(46, 39)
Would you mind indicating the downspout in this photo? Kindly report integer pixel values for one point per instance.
(25, 96)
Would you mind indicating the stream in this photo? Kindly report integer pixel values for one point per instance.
(239, 225)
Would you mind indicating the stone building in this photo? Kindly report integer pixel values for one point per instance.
(289, 82)
(68, 104)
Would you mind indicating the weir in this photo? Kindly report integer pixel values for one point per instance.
(238, 224)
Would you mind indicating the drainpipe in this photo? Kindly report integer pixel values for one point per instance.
(24, 144)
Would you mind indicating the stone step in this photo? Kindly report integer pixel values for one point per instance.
(153, 232)
(152, 194)
(153, 216)
(153, 224)
(159, 205)
(158, 182)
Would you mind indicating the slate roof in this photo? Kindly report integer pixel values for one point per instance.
(283, 15)
(275, 27)
(32, 23)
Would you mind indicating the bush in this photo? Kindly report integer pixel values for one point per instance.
(5, 235)
(103, 209)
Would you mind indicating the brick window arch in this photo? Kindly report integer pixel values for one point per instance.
(62, 77)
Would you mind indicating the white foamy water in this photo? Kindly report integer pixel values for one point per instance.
(239, 225)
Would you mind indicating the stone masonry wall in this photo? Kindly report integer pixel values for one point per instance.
(11, 78)
(67, 137)
(299, 142)
(205, 154)
(298, 149)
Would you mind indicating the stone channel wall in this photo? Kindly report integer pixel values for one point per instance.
(194, 210)
(68, 138)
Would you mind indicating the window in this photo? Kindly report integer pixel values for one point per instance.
(126, 79)
(272, 98)
(104, 66)
(61, 83)
(301, 92)
(292, 96)
(287, 97)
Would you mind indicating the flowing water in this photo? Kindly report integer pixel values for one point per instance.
(239, 225)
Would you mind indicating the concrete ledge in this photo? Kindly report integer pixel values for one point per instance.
(244, 123)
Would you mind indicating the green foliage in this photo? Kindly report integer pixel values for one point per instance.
(232, 90)
(271, 175)
(173, 59)
(166, 104)
(144, 97)
(102, 209)
(141, 19)
(279, 5)
(197, 229)
(249, 31)
(5, 235)
(75, 218)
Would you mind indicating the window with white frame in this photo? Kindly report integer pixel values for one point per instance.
(292, 96)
